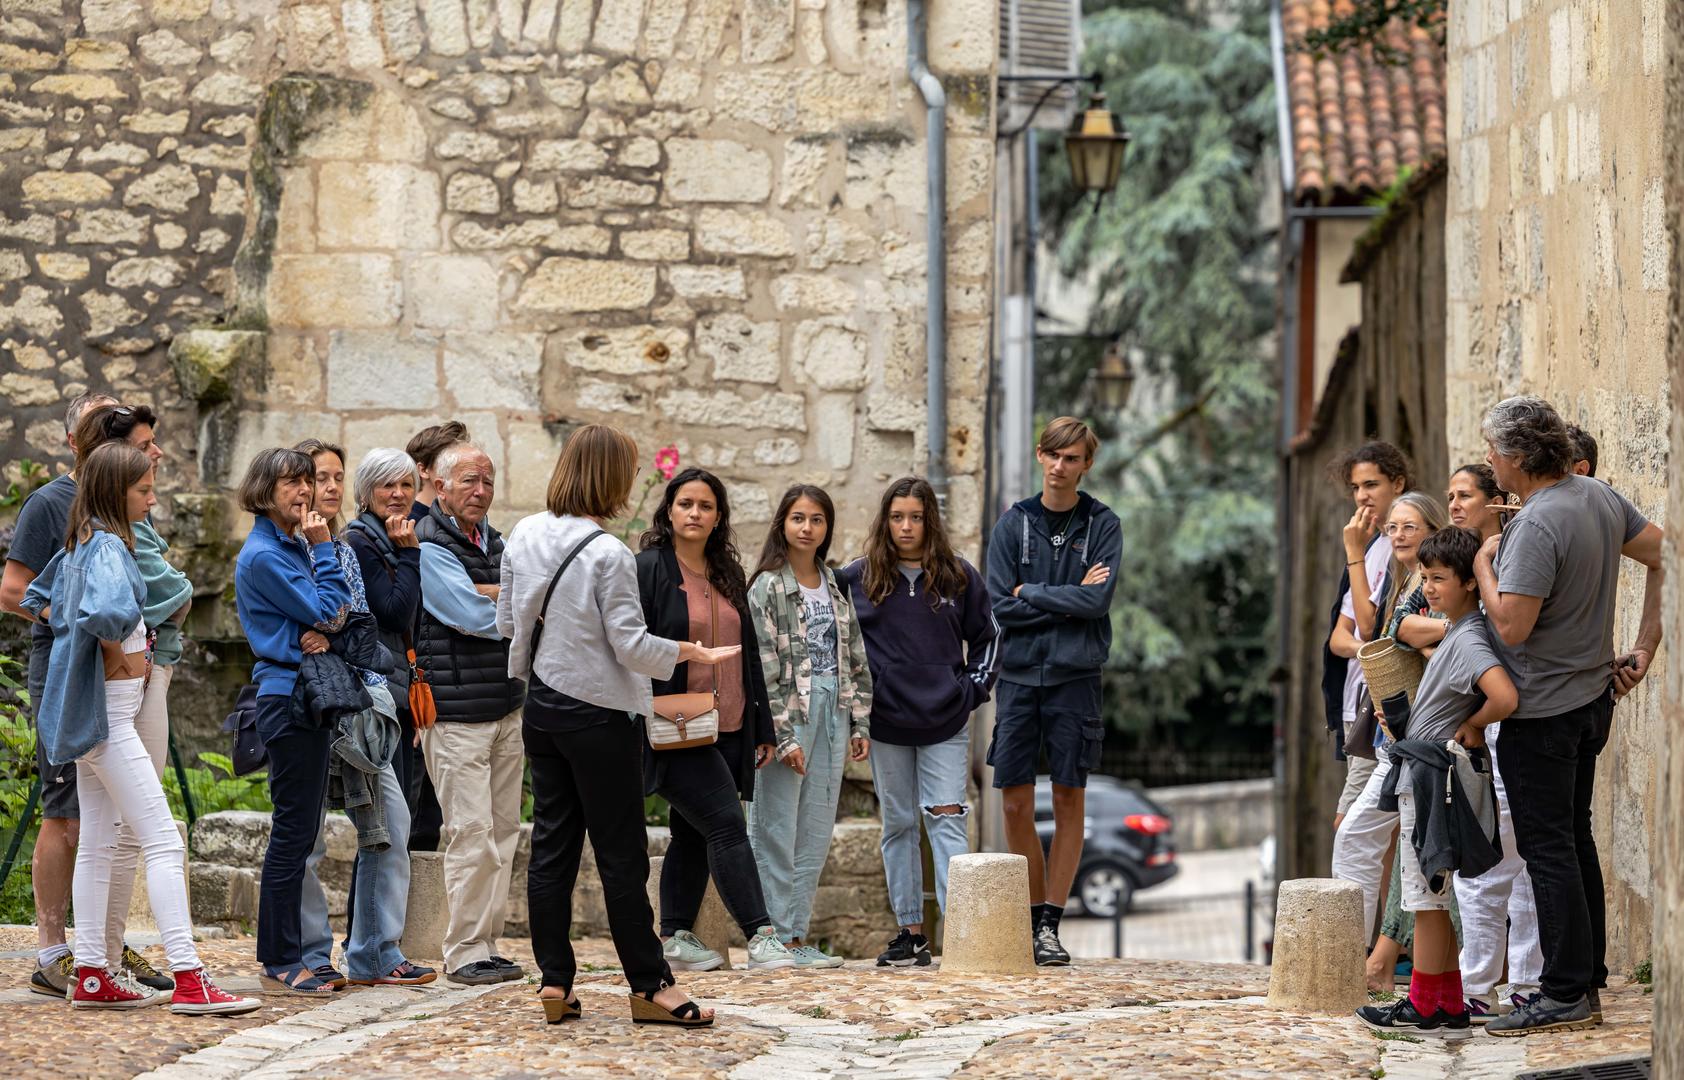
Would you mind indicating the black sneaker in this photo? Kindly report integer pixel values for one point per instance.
(510, 970)
(1403, 1014)
(478, 973)
(1048, 951)
(144, 973)
(907, 950)
(1542, 1013)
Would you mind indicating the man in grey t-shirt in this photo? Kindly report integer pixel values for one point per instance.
(1548, 584)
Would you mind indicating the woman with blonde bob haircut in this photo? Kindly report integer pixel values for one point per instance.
(570, 607)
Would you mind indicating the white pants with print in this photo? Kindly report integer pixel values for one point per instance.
(1498, 912)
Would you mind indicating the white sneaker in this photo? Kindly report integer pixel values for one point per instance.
(766, 951)
(684, 951)
(810, 956)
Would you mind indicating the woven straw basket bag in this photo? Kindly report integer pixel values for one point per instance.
(1390, 668)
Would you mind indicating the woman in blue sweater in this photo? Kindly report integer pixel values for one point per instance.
(290, 591)
(93, 597)
(931, 641)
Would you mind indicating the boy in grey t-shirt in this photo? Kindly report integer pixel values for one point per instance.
(1464, 689)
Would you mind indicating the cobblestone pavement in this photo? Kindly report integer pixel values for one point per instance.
(1133, 1018)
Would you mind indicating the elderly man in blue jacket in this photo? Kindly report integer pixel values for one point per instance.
(1050, 566)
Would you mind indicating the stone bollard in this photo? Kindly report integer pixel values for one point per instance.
(429, 912)
(987, 925)
(1319, 940)
(714, 926)
(140, 902)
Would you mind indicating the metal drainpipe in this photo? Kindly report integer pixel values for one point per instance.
(935, 242)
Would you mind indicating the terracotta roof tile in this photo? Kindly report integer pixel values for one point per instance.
(1358, 122)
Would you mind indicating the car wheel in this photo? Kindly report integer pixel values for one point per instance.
(1105, 889)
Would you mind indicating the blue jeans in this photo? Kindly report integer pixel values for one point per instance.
(792, 816)
(909, 777)
(381, 897)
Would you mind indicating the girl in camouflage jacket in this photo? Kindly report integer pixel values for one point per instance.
(819, 685)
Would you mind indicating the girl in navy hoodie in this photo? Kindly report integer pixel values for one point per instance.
(931, 643)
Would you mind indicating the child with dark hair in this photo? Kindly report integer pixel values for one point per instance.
(1464, 689)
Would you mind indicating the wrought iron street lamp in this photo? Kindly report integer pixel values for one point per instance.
(1113, 379)
(1095, 143)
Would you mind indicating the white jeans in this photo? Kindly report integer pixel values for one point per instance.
(118, 788)
(152, 724)
(1497, 910)
(1359, 847)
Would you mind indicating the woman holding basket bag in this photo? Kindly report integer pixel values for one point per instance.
(569, 606)
(711, 728)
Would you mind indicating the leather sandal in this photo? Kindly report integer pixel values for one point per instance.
(297, 979)
(557, 1009)
(644, 1010)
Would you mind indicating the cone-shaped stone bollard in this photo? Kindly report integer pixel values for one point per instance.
(987, 925)
(1319, 944)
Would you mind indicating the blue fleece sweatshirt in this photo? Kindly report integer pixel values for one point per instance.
(1056, 629)
(931, 667)
(280, 593)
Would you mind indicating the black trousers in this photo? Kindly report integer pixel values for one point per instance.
(298, 788)
(708, 833)
(425, 817)
(1548, 766)
(590, 780)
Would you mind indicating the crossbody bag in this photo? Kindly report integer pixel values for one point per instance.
(680, 721)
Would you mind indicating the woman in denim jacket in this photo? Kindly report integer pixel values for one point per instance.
(819, 686)
(93, 597)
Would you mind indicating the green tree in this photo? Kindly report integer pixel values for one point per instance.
(1184, 274)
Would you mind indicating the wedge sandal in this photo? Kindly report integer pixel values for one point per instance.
(644, 1010)
(557, 1009)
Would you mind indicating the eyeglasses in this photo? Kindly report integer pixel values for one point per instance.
(1406, 529)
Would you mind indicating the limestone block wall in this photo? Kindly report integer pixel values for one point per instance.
(1668, 946)
(1558, 254)
(699, 219)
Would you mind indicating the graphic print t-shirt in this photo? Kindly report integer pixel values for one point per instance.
(821, 628)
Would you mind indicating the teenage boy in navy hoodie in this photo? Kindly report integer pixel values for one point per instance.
(933, 648)
(1050, 566)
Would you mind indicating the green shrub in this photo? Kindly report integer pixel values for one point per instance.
(214, 787)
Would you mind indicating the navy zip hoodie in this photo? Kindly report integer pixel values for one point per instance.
(1055, 630)
(930, 667)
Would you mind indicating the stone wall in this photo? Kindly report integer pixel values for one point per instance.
(700, 219)
(1558, 253)
(1668, 949)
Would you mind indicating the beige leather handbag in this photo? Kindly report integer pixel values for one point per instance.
(681, 721)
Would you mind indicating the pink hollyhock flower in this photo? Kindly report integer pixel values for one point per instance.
(666, 461)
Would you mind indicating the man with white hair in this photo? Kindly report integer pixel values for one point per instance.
(474, 753)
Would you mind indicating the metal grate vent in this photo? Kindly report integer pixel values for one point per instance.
(1618, 1069)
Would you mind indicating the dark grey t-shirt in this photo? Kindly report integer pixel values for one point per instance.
(1564, 546)
(38, 537)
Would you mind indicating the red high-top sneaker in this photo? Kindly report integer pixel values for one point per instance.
(196, 995)
(97, 988)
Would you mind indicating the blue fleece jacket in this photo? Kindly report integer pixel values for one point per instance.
(1055, 630)
(96, 595)
(281, 592)
(931, 667)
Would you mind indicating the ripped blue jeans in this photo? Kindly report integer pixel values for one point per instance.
(910, 781)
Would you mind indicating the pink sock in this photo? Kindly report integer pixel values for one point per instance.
(1450, 992)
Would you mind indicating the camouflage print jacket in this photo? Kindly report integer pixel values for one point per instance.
(780, 625)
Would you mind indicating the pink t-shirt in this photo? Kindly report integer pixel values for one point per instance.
(726, 629)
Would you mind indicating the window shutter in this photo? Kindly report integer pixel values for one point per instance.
(1040, 37)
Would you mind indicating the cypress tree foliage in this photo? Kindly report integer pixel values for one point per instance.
(1184, 272)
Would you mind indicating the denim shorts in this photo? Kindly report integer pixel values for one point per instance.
(58, 782)
(1064, 719)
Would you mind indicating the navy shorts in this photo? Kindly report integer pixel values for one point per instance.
(1064, 719)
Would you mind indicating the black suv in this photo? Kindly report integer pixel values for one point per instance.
(1130, 844)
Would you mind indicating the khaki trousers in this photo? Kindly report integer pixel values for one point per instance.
(476, 770)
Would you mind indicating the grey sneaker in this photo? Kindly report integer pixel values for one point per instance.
(766, 951)
(809, 956)
(685, 952)
(54, 978)
(1543, 1013)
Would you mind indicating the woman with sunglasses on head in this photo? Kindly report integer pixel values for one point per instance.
(93, 597)
(693, 589)
(819, 687)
